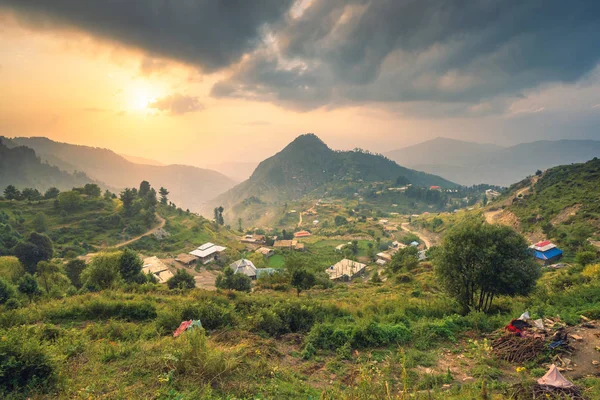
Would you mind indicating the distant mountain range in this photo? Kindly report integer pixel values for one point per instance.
(190, 187)
(307, 165)
(20, 166)
(470, 163)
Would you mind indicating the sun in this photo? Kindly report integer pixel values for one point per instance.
(141, 96)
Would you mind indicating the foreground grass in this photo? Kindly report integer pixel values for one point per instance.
(360, 341)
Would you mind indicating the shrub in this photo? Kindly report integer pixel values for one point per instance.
(232, 281)
(181, 280)
(197, 360)
(25, 365)
(7, 291)
(167, 322)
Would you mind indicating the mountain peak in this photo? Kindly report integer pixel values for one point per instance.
(309, 140)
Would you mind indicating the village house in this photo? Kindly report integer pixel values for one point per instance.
(286, 244)
(301, 234)
(208, 252)
(435, 188)
(152, 265)
(265, 251)
(253, 239)
(345, 270)
(546, 252)
(245, 267)
(384, 256)
(186, 259)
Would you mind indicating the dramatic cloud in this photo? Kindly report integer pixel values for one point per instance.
(340, 52)
(177, 104)
(207, 33)
(426, 57)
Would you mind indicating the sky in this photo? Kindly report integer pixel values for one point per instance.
(204, 82)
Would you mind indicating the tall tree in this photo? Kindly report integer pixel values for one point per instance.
(240, 228)
(28, 286)
(477, 262)
(73, 270)
(127, 197)
(164, 200)
(31, 194)
(130, 266)
(40, 222)
(46, 272)
(92, 190)
(221, 220)
(51, 193)
(37, 248)
(181, 280)
(302, 279)
(12, 193)
(144, 188)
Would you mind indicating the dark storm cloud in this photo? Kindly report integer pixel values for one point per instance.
(421, 51)
(466, 57)
(177, 104)
(208, 33)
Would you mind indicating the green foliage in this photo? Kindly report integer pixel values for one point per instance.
(26, 367)
(332, 336)
(102, 272)
(130, 267)
(10, 268)
(586, 257)
(92, 190)
(37, 248)
(340, 220)
(69, 201)
(181, 280)
(73, 269)
(477, 262)
(40, 222)
(51, 193)
(8, 238)
(28, 285)
(302, 279)
(232, 281)
(405, 259)
(7, 291)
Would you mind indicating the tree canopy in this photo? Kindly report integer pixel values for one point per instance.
(232, 281)
(477, 262)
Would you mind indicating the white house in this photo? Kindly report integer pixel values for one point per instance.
(208, 252)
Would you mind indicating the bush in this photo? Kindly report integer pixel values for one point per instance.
(181, 280)
(332, 336)
(25, 365)
(7, 291)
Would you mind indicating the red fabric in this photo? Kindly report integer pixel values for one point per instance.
(184, 325)
(543, 244)
(511, 328)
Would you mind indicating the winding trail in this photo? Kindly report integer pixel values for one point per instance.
(425, 239)
(160, 225)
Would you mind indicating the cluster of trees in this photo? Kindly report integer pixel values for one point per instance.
(29, 194)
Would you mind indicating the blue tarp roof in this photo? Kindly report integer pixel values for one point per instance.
(546, 255)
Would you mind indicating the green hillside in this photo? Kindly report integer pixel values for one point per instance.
(20, 166)
(564, 204)
(190, 186)
(308, 168)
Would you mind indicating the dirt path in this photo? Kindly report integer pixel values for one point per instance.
(425, 239)
(300, 222)
(160, 225)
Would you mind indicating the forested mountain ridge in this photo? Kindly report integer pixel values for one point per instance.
(190, 187)
(21, 167)
(307, 165)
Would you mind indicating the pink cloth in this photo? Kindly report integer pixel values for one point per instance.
(184, 325)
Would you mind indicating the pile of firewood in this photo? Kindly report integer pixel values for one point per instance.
(536, 392)
(517, 349)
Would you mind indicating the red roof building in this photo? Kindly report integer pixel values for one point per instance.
(435, 188)
(301, 234)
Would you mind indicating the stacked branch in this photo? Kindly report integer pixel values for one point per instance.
(546, 392)
(517, 349)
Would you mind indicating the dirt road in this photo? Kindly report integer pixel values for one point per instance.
(425, 239)
(160, 225)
